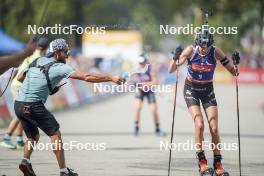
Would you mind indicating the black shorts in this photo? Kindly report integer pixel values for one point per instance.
(34, 115)
(150, 96)
(195, 92)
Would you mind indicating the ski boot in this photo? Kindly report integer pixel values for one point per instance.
(204, 169)
(136, 128)
(160, 133)
(136, 131)
(218, 169)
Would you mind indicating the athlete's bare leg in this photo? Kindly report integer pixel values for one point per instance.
(154, 111)
(199, 126)
(212, 114)
(138, 106)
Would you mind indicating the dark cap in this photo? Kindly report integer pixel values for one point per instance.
(43, 43)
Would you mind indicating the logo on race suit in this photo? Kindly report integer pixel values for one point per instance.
(143, 77)
(202, 67)
(188, 92)
(200, 76)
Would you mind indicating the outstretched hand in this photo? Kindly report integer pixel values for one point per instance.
(118, 79)
(31, 46)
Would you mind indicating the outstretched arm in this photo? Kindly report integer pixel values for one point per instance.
(14, 60)
(219, 54)
(96, 78)
(187, 52)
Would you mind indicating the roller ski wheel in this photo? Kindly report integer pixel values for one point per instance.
(207, 171)
(223, 174)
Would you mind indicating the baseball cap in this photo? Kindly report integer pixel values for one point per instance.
(43, 43)
(56, 45)
(142, 59)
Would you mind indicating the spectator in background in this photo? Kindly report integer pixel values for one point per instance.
(254, 61)
(15, 86)
(97, 65)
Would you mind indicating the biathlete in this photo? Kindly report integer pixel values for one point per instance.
(146, 79)
(40, 80)
(201, 59)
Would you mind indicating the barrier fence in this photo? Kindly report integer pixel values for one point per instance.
(77, 92)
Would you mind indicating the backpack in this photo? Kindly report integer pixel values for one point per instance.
(45, 70)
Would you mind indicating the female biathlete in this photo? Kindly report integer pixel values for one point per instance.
(146, 79)
(202, 57)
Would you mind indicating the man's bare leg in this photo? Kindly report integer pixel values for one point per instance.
(58, 149)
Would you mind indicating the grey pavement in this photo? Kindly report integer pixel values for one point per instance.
(107, 127)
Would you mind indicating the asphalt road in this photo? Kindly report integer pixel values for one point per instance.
(106, 127)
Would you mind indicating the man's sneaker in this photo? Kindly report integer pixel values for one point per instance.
(20, 145)
(136, 131)
(70, 173)
(8, 144)
(159, 132)
(26, 168)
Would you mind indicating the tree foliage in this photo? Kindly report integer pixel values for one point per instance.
(145, 15)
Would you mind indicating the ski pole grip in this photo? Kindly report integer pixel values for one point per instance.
(236, 58)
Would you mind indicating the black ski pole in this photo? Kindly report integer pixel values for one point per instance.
(236, 59)
(174, 107)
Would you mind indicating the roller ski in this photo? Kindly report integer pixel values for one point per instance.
(160, 133)
(136, 131)
(218, 169)
(204, 169)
